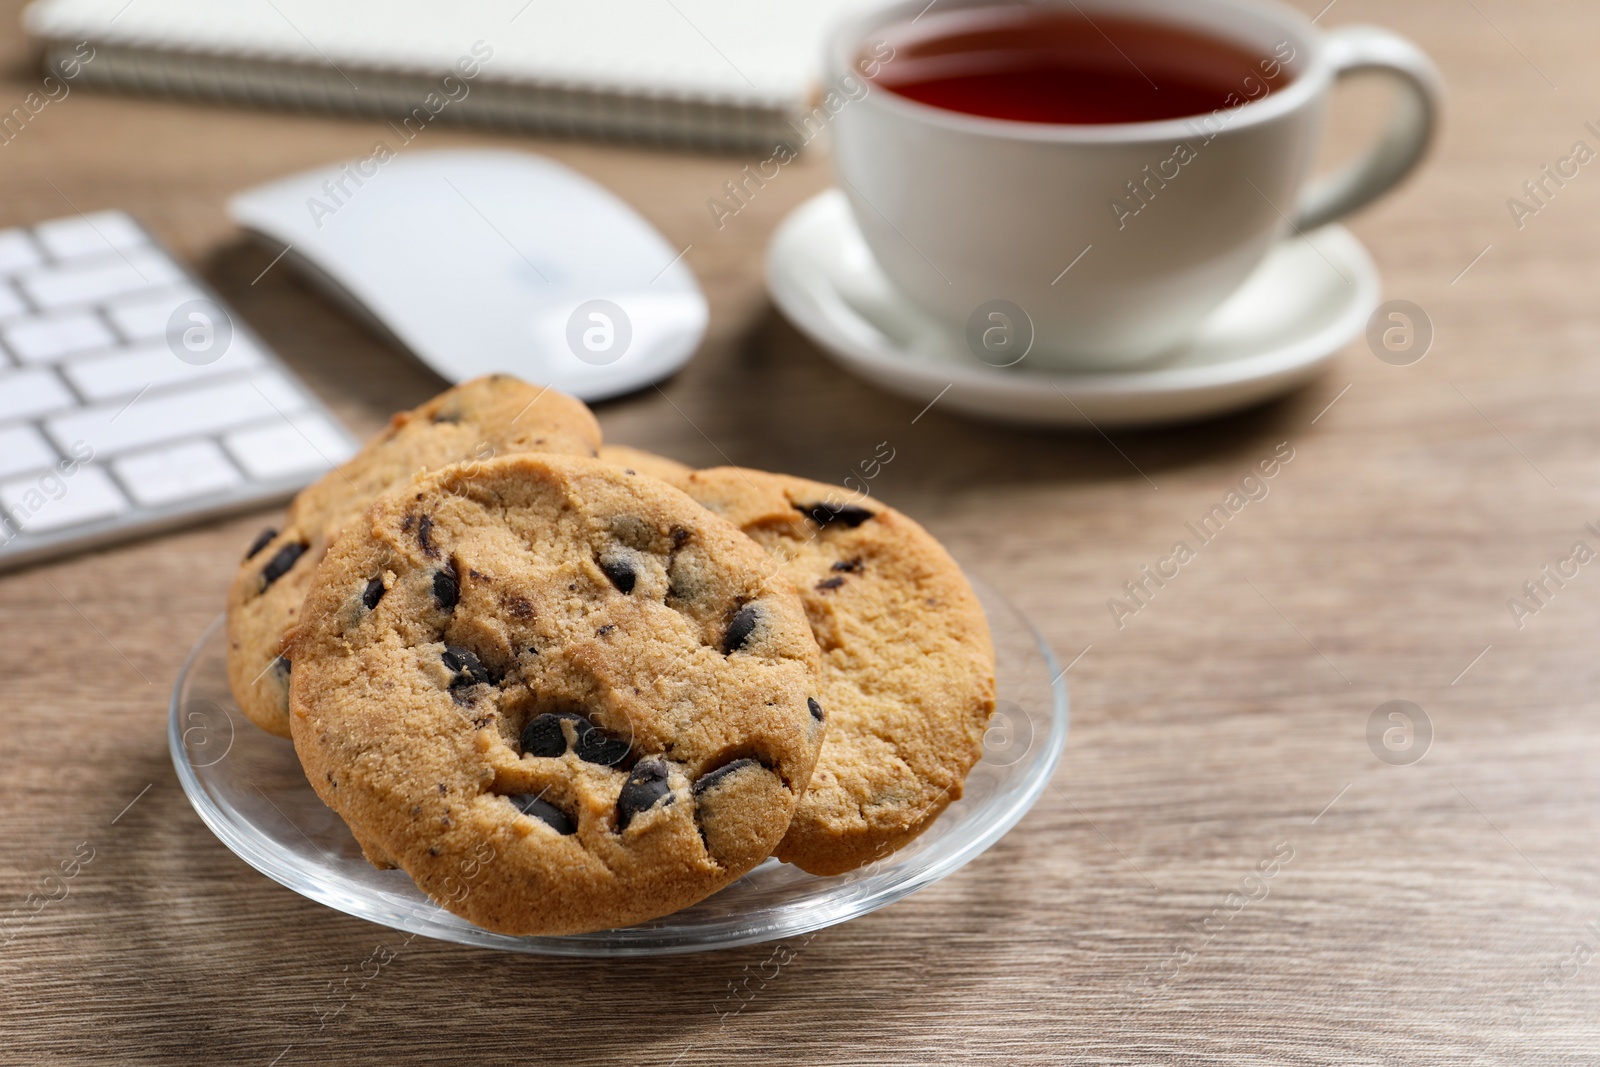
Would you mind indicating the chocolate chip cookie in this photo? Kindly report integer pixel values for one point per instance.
(486, 417)
(576, 671)
(907, 680)
(641, 462)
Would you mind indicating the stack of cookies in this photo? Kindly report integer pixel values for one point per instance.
(569, 687)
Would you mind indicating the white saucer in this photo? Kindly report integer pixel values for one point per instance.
(1309, 298)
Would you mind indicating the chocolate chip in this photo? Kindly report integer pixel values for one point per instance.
(849, 566)
(680, 537)
(466, 667)
(607, 628)
(280, 563)
(740, 627)
(816, 709)
(543, 736)
(596, 747)
(824, 513)
(280, 675)
(372, 593)
(520, 607)
(263, 539)
(451, 417)
(545, 812)
(425, 537)
(830, 583)
(620, 571)
(445, 589)
(645, 788)
(712, 779)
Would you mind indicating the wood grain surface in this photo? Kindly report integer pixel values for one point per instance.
(1442, 912)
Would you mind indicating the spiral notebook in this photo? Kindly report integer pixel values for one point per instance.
(718, 73)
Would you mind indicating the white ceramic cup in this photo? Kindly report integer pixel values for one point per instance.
(978, 219)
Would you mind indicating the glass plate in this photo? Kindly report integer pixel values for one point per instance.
(248, 788)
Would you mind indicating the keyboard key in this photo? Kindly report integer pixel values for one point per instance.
(11, 304)
(307, 444)
(102, 279)
(126, 371)
(41, 504)
(181, 472)
(86, 370)
(116, 428)
(17, 251)
(42, 340)
(144, 318)
(90, 235)
(26, 393)
(22, 448)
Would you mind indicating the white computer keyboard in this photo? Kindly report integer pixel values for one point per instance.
(131, 397)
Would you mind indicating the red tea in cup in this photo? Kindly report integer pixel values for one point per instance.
(1049, 64)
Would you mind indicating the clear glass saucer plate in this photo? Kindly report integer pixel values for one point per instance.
(247, 786)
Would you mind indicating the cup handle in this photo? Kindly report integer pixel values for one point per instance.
(1411, 129)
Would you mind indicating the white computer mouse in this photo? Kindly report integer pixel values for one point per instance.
(479, 260)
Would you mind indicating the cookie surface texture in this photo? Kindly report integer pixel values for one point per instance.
(642, 462)
(479, 419)
(560, 696)
(907, 679)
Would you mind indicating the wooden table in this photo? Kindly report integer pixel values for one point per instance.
(1443, 911)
